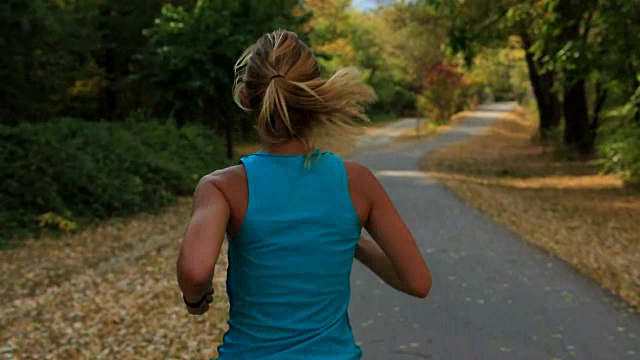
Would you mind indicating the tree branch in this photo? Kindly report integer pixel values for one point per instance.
(601, 97)
(587, 26)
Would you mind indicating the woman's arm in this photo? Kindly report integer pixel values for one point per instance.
(202, 242)
(369, 253)
(392, 253)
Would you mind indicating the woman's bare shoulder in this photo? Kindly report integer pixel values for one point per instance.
(227, 179)
(361, 179)
(359, 172)
(230, 173)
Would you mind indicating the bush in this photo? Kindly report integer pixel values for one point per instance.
(68, 171)
(621, 151)
(446, 91)
(620, 144)
(394, 99)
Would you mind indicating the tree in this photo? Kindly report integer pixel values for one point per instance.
(120, 24)
(329, 33)
(590, 47)
(490, 24)
(566, 41)
(618, 61)
(521, 19)
(444, 85)
(502, 71)
(188, 63)
(45, 49)
(22, 24)
(412, 40)
(417, 40)
(579, 54)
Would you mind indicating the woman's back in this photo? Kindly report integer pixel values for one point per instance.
(294, 229)
(290, 262)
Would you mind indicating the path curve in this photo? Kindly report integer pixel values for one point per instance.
(377, 138)
(494, 296)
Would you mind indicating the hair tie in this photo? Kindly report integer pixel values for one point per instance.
(276, 76)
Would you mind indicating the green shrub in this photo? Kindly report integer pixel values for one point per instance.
(65, 171)
(621, 152)
(393, 99)
(620, 143)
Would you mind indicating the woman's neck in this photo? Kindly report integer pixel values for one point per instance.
(291, 147)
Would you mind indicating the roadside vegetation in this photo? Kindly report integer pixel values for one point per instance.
(566, 206)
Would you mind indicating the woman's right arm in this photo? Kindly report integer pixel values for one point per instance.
(392, 253)
(369, 253)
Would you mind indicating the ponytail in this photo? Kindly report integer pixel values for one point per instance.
(279, 78)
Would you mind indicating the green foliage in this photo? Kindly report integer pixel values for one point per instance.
(620, 146)
(501, 72)
(45, 47)
(70, 170)
(185, 60)
(390, 45)
(394, 97)
(188, 61)
(70, 58)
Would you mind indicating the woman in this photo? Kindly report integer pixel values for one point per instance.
(293, 216)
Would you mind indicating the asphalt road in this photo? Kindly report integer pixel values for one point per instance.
(494, 296)
(386, 136)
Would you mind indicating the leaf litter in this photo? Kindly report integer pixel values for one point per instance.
(107, 293)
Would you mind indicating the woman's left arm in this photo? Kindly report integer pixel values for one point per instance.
(202, 242)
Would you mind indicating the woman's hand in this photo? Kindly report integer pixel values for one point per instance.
(203, 306)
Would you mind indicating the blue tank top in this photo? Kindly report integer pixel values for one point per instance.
(289, 265)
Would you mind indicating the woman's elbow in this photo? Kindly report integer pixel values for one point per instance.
(423, 292)
(190, 276)
(421, 288)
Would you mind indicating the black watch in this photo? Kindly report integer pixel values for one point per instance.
(198, 304)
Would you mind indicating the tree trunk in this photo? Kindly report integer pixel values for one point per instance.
(108, 98)
(374, 70)
(228, 129)
(219, 119)
(575, 20)
(553, 102)
(246, 124)
(577, 126)
(542, 84)
(601, 97)
(180, 117)
(636, 98)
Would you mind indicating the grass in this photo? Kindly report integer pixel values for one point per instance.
(567, 207)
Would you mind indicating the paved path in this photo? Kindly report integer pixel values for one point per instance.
(494, 296)
(386, 135)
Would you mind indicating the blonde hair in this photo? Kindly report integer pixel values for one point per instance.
(280, 79)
